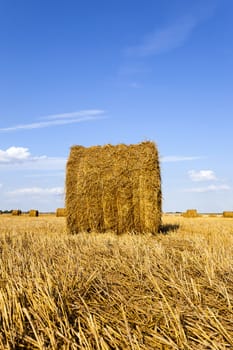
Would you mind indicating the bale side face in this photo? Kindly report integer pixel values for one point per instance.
(33, 213)
(115, 188)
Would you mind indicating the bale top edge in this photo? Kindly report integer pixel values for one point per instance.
(151, 143)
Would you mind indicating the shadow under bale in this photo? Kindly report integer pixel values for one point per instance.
(165, 229)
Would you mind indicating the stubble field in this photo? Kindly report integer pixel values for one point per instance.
(173, 290)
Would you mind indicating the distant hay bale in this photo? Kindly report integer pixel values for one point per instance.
(116, 188)
(227, 214)
(33, 212)
(16, 212)
(61, 212)
(190, 213)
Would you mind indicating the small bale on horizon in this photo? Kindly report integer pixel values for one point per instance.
(33, 212)
(61, 212)
(190, 213)
(113, 188)
(16, 212)
(227, 214)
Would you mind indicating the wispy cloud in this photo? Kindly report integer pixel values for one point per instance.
(78, 114)
(202, 175)
(37, 191)
(165, 39)
(167, 159)
(59, 119)
(41, 164)
(46, 174)
(176, 33)
(210, 188)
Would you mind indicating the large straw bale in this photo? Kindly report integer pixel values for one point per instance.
(116, 188)
(227, 214)
(190, 213)
(16, 212)
(61, 212)
(33, 212)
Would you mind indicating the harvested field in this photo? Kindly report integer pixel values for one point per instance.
(173, 290)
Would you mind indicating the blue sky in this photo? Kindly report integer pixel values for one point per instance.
(96, 72)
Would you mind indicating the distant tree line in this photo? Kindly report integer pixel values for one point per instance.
(5, 211)
(10, 211)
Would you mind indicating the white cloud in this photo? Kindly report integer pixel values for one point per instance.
(37, 191)
(210, 188)
(20, 158)
(59, 119)
(14, 154)
(202, 175)
(178, 158)
(165, 39)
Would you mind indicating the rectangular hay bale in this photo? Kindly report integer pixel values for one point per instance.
(116, 188)
(227, 214)
(190, 213)
(33, 213)
(16, 212)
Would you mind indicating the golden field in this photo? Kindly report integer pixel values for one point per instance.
(173, 290)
